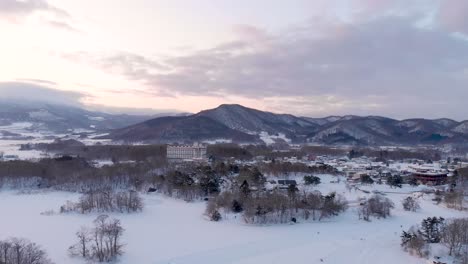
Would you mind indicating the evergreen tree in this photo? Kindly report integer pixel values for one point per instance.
(245, 189)
(431, 228)
(237, 206)
(292, 190)
(406, 238)
(310, 179)
(395, 181)
(366, 179)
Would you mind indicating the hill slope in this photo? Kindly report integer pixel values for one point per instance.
(238, 123)
(180, 129)
(43, 117)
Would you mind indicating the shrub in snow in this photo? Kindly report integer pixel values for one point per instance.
(454, 200)
(410, 204)
(366, 179)
(237, 207)
(22, 251)
(414, 243)
(215, 216)
(311, 180)
(48, 212)
(395, 181)
(412, 181)
(212, 212)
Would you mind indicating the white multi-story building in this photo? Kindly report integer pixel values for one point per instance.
(186, 152)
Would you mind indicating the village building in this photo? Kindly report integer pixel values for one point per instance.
(431, 177)
(195, 152)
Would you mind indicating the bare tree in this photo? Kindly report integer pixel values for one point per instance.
(81, 248)
(455, 235)
(101, 243)
(454, 200)
(22, 251)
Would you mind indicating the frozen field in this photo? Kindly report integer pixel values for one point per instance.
(173, 231)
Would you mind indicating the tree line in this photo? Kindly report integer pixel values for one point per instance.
(276, 206)
(105, 200)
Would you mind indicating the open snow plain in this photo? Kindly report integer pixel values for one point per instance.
(170, 231)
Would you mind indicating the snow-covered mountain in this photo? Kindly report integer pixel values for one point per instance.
(52, 118)
(252, 121)
(231, 123)
(239, 123)
(462, 127)
(180, 129)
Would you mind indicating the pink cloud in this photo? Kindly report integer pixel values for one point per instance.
(453, 15)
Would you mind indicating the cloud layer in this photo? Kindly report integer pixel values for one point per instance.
(385, 65)
(55, 17)
(369, 57)
(39, 91)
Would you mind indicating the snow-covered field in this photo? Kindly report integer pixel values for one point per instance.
(9, 146)
(271, 139)
(176, 232)
(12, 147)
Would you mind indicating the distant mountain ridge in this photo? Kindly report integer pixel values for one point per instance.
(62, 118)
(241, 124)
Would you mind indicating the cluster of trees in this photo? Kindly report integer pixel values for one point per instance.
(22, 251)
(190, 183)
(247, 152)
(100, 243)
(252, 176)
(454, 199)
(276, 206)
(185, 181)
(377, 206)
(116, 153)
(280, 168)
(229, 150)
(323, 150)
(105, 201)
(74, 174)
(225, 151)
(396, 154)
(452, 233)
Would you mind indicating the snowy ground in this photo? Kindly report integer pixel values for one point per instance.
(175, 232)
(271, 139)
(12, 147)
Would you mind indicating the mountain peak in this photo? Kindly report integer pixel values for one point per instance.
(240, 123)
(231, 107)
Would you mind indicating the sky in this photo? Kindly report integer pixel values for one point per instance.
(395, 58)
